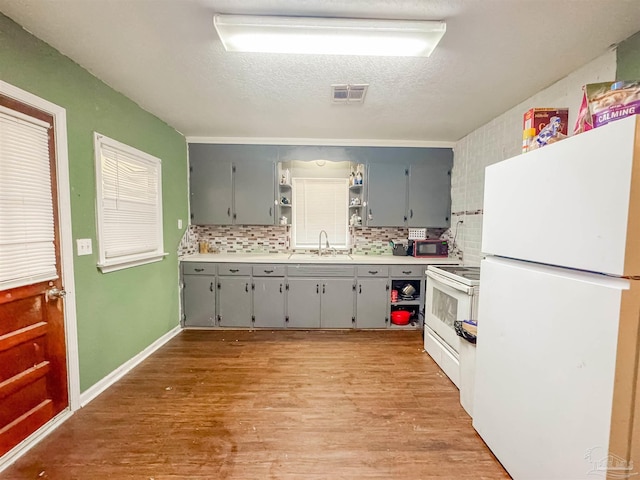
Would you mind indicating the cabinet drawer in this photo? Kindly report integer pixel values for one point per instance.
(373, 271)
(234, 269)
(321, 271)
(189, 268)
(399, 271)
(268, 270)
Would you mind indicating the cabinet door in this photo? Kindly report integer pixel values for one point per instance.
(210, 186)
(268, 302)
(254, 190)
(387, 195)
(199, 301)
(303, 303)
(430, 193)
(336, 306)
(372, 303)
(234, 297)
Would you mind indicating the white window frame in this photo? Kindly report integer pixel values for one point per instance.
(139, 254)
(295, 207)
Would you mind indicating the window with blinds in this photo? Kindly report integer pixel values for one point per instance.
(129, 205)
(27, 233)
(320, 204)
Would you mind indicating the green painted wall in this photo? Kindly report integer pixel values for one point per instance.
(118, 313)
(628, 58)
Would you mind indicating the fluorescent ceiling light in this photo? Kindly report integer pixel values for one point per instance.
(328, 36)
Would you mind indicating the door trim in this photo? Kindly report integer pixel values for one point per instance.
(66, 239)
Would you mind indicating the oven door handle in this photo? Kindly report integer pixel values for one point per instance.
(450, 283)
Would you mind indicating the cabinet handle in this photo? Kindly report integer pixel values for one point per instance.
(406, 272)
(234, 270)
(211, 287)
(270, 210)
(229, 212)
(370, 212)
(219, 285)
(280, 288)
(323, 285)
(317, 288)
(199, 269)
(268, 271)
(411, 213)
(246, 287)
(373, 272)
(360, 290)
(253, 286)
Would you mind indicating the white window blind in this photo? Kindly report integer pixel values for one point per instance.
(129, 198)
(27, 250)
(320, 204)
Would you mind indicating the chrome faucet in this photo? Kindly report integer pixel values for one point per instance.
(320, 242)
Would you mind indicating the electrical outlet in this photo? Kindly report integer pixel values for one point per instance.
(179, 223)
(83, 246)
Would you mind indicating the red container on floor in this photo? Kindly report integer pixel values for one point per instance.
(400, 317)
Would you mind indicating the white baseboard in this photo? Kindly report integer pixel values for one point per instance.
(28, 443)
(99, 387)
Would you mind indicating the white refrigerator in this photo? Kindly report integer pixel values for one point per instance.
(559, 310)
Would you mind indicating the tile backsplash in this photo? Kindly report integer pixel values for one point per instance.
(276, 239)
(236, 239)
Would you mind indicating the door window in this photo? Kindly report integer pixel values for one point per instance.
(27, 232)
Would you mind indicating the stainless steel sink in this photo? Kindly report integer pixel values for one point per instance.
(315, 258)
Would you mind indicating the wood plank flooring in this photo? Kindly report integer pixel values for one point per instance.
(306, 405)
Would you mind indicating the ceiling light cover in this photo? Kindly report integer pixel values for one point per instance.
(328, 36)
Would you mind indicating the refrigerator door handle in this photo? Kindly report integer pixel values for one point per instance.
(450, 283)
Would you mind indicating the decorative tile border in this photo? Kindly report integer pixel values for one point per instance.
(276, 239)
(375, 240)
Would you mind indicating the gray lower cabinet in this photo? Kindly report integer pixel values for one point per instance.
(336, 303)
(320, 303)
(372, 303)
(268, 302)
(234, 301)
(303, 303)
(199, 300)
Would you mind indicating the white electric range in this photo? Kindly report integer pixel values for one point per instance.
(451, 294)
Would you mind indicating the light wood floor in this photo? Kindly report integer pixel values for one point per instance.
(272, 405)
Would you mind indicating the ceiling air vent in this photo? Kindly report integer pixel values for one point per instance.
(344, 93)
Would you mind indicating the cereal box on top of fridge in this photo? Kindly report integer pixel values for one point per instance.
(535, 119)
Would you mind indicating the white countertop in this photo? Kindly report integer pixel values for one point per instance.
(310, 258)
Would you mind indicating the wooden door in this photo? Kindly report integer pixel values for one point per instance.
(33, 366)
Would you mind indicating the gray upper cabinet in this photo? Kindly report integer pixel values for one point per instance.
(430, 190)
(210, 186)
(386, 195)
(232, 184)
(254, 194)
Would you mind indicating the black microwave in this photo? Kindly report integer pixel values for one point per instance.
(431, 248)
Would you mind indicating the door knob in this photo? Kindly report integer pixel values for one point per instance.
(54, 293)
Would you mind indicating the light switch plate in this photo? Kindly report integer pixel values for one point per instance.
(179, 223)
(83, 246)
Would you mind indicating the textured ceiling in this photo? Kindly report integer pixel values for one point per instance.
(165, 55)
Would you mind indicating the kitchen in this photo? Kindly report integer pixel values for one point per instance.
(105, 304)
